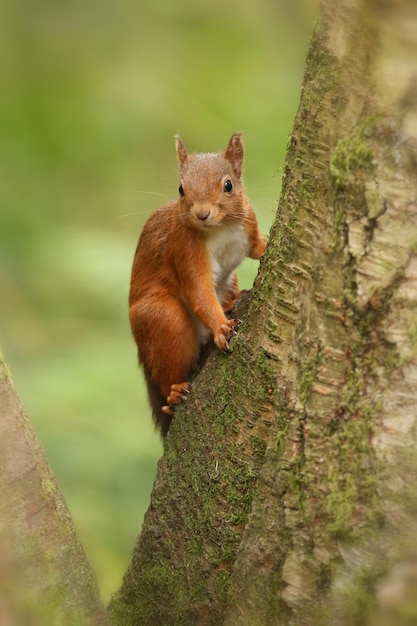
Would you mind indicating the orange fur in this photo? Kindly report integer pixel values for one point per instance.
(183, 276)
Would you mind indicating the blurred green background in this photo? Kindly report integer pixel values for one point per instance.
(91, 96)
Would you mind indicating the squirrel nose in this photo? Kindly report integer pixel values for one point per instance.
(202, 213)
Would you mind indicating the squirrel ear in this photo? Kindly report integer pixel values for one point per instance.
(235, 152)
(181, 150)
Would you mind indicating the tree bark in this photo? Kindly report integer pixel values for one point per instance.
(45, 578)
(286, 491)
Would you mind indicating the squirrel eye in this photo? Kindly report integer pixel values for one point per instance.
(181, 190)
(228, 185)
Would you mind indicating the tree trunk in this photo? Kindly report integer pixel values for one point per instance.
(45, 578)
(286, 491)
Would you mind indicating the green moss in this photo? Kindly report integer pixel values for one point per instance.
(258, 447)
(198, 545)
(352, 155)
(352, 501)
(322, 74)
(412, 332)
(351, 167)
(309, 369)
(352, 481)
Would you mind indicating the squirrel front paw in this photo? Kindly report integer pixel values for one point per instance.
(225, 334)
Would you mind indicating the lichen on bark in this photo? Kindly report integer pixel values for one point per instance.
(353, 343)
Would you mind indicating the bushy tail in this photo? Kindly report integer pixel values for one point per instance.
(157, 401)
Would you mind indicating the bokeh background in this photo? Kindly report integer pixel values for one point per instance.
(91, 95)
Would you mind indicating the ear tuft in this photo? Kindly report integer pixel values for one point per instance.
(181, 150)
(235, 153)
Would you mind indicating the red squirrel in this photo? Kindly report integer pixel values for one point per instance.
(183, 276)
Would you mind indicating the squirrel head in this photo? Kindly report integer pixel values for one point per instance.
(211, 189)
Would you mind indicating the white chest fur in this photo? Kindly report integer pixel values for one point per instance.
(227, 247)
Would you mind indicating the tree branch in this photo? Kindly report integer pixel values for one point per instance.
(44, 574)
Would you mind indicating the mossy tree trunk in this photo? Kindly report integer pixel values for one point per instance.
(286, 492)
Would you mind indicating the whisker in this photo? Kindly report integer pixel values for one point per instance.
(274, 200)
(150, 193)
(129, 214)
(143, 211)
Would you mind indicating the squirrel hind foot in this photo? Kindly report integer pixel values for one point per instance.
(177, 394)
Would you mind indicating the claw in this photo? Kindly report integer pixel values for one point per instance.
(225, 343)
(178, 393)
